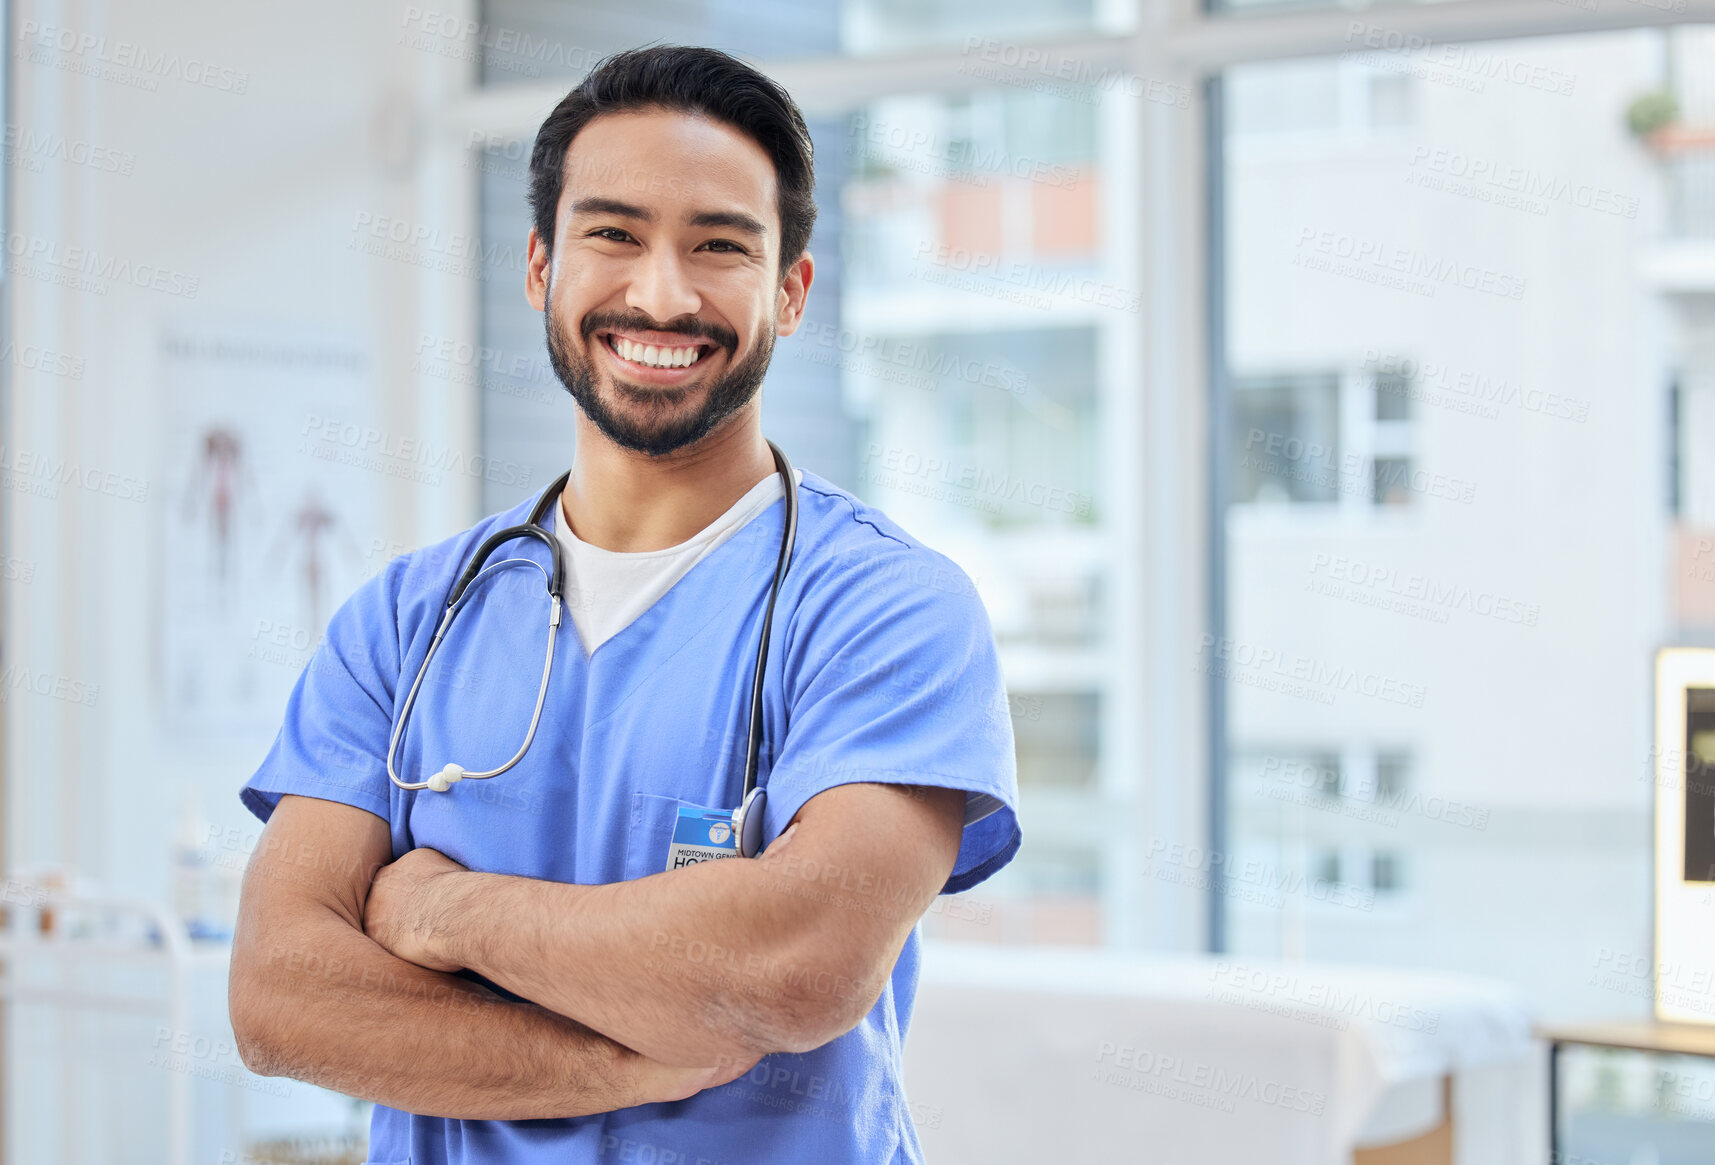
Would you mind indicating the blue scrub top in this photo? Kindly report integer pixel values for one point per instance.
(881, 668)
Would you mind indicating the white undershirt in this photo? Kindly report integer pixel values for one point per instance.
(606, 590)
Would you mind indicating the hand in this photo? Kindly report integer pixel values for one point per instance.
(401, 906)
(654, 1082)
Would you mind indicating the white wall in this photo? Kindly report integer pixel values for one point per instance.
(255, 195)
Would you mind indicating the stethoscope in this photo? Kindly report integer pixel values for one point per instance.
(747, 818)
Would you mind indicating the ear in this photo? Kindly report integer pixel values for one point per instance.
(536, 272)
(789, 311)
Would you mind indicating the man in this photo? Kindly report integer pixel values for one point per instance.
(507, 966)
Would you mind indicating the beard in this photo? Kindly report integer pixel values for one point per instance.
(653, 420)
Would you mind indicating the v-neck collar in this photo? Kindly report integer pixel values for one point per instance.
(744, 531)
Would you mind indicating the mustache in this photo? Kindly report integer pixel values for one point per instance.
(692, 327)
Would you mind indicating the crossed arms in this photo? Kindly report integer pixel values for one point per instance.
(637, 991)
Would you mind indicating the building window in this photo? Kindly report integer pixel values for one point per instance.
(1323, 438)
(1384, 873)
(1287, 436)
(1056, 738)
(1329, 818)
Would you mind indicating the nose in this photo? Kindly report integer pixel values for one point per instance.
(661, 287)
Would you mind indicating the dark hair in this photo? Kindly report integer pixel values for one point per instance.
(688, 80)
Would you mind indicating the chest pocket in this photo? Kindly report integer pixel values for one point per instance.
(649, 833)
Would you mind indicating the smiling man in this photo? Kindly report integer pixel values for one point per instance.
(517, 950)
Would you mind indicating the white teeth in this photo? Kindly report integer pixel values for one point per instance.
(654, 355)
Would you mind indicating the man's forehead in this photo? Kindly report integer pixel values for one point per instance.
(670, 161)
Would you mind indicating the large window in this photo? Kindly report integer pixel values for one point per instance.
(1452, 315)
(980, 322)
(969, 326)
(1448, 545)
(519, 41)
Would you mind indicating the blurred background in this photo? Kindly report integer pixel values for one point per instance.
(1322, 398)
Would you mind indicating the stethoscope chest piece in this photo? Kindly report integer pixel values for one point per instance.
(747, 822)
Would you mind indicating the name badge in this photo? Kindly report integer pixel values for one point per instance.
(701, 835)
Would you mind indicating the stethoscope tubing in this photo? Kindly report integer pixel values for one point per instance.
(446, 774)
(751, 799)
(753, 746)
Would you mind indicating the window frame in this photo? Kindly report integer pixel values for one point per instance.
(1169, 534)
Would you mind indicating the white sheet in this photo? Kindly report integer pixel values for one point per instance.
(1033, 1055)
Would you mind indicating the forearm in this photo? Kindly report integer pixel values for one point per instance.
(320, 1002)
(707, 964)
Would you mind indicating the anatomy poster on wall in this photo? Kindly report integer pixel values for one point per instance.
(263, 533)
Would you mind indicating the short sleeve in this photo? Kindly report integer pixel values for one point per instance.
(333, 742)
(892, 677)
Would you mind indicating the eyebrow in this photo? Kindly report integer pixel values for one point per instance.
(612, 206)
(732, 220)
(729, 219)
